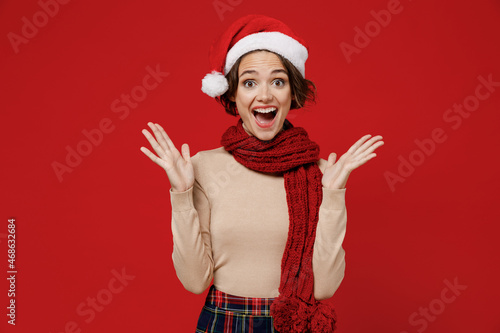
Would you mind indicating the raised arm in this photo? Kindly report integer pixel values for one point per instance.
(192, 255)
(329, 255)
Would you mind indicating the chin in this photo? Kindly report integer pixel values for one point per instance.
(267, 135)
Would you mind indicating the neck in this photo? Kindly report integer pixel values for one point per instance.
(269, 173)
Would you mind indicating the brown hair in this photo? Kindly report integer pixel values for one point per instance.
(303, 90)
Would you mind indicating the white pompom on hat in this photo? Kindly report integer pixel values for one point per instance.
(249, 33)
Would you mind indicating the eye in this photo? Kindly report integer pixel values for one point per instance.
(279, 82)
(248, 83)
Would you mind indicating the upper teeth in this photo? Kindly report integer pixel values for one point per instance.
(266, 110)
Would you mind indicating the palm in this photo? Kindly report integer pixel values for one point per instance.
(336, 174)
(178, 167)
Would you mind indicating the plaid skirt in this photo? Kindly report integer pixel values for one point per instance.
(224, 313)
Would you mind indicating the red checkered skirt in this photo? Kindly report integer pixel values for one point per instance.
(224, 313)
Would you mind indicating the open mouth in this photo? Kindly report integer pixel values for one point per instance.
(265, 116)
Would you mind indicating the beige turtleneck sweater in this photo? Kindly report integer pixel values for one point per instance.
(232, 226)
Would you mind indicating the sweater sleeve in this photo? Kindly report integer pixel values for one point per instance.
(329, 256)
(192, 253)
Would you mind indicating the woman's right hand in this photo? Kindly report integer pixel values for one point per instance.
(178, 167)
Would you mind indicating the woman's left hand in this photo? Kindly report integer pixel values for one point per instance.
(336, 174)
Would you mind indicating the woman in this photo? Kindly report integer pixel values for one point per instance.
(263, 215)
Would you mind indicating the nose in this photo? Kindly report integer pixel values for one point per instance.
(264, 94)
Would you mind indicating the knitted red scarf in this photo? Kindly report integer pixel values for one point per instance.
(293, 153)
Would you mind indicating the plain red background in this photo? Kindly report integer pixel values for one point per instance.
(113, 210)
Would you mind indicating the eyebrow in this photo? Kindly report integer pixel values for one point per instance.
(252, 71)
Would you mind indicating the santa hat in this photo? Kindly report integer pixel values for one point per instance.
(249, 33)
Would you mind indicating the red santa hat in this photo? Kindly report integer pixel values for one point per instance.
(249, 33)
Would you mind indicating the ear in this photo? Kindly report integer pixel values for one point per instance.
(232, 99)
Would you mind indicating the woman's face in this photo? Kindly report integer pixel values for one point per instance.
(263, 96)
